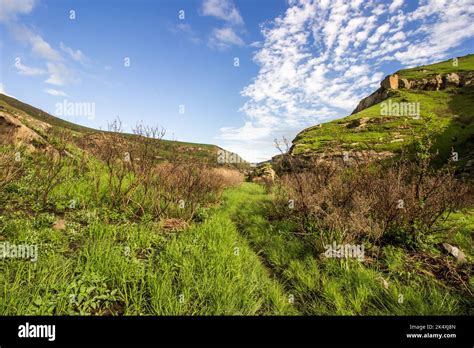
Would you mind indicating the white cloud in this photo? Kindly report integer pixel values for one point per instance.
(39, 46)
(319, 58)
(59, 74)
(28, 71)
(224, 38)
(9, 9)
(356, 70)
(395, 5)
(185, 30)
(55, 92)
(76, 55)
(222, 9)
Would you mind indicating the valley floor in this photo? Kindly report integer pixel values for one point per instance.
(236, 262)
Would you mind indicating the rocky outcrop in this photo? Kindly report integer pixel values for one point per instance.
(404, 83)
(13, 132)
(467, 79)
(378, 96)
(456, 252)
(451, 80)
(263, 175)
(391, 83)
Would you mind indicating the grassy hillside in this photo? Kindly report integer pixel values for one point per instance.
(169, 150)
(465, 63)
(448, 113)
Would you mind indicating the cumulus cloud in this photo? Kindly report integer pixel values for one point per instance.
(222, 9)
(395, 5)
(320, 57)
(55, 92)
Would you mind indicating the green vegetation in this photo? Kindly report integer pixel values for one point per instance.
(465, 63)
(447, 115)
(335, 286)
(136, 269)
(122, 224)
(236, 262)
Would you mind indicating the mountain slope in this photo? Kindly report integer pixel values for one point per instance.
(33, 124)
(438, 99)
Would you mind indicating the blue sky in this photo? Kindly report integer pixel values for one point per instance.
(300, 62)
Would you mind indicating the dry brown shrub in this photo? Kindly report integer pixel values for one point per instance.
(49, 165)
(229, 177)
(139, 181)
(113, 149)
(189, 185)
(398, 203)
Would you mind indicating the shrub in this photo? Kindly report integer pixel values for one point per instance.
(398, 203)
(49, 165)
(11, 167)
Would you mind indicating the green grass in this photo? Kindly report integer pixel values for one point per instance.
(447, 114)
(332, 286)
(95, 267)
(236, 262)
(465, 63)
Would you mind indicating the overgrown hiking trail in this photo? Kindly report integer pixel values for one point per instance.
(239, 260)
(219, 269)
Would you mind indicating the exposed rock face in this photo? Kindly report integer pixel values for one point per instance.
(348, 158)
(264, 175)
(378, 96)
(404, 83)
(451, 80)
(390, 82)
(433, 83)
(12, 131)
(467, 79)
